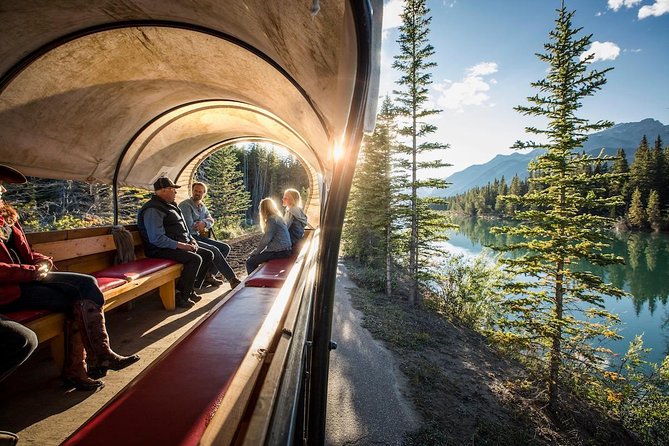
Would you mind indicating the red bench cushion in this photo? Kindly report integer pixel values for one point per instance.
(107, 283)
(271, 274)
(135, 269)
(26, 316)
(173, 400)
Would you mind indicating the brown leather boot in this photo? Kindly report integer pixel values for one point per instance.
(96, 340)
(74, 369)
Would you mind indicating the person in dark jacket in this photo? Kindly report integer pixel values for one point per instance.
(165, 235)
(27, 283)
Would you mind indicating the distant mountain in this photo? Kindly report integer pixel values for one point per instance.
(621, 136)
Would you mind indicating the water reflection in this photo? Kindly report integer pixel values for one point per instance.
(645, 275)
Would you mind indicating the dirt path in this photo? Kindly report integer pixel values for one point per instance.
(365, 402)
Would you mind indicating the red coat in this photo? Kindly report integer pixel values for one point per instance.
(12, 274)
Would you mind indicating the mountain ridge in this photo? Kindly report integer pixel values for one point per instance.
(626, 136)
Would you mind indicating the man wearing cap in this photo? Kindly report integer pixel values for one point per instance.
(165, 235)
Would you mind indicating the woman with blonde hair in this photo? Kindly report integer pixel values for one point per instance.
(294, 216)
(275, 242)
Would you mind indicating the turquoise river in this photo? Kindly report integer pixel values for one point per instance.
(645, 276)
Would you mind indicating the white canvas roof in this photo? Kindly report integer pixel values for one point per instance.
(123, 91)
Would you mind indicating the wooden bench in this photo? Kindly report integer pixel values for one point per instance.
(92, 251)
(208, 376)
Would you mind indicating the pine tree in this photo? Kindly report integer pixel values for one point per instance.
(226, 198)
(369, 231)
(660, 182)
(636, 216)
(515, 190)
(413, 61)
(653, 210)
(619, 186)
(558, 227)
(642, 170)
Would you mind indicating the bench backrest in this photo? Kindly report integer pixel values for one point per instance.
(81, 250)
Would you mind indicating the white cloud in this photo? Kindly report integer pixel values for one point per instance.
(617, 4)
(391, 15)
(602, 51)
(657, 9)
(471, 90)
(482, 69)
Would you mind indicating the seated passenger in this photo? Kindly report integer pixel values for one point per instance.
(199, 221)
(27, 283)
(165, 235)
(16, 344)
(294, 217)
(275, 242)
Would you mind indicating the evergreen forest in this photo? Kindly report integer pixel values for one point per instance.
(643, 186)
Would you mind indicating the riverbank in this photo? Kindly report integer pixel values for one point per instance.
(466, 392)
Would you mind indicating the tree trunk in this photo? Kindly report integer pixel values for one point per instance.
(556, 347)
(413, 244)
(389, 264)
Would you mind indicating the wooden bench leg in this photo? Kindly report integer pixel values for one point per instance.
(57, 345)
(168, 295)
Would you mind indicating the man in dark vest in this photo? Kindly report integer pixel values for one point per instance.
(165, 235)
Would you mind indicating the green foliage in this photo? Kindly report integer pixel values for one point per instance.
(226, 198)
(369, 277)
(468, 290)
(425, 225)
(653, 210)
(639, 394)
(634, 391)
(369, 234)
(637, 214)
(267, 173)
(559, 226)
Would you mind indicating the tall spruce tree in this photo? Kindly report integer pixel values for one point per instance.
(636, 216)
(619, 186)
(425, 226)
(653, 210)
(642, 170)
(660, 182)
(226, 198)
(558, 228)
(369, 231)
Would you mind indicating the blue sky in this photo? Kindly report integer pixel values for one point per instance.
(485, 55)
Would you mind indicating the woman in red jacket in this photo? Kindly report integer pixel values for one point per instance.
(27, 283)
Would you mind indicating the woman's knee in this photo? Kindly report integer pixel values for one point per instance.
(90, 290)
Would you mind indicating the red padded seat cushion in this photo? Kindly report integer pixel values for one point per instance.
(172, 401)
(26, 316)
(271, 274)
(107, 283)
(135, 269)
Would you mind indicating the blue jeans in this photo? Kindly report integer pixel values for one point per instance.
(57, 292)
(253, 261)
(221, 251)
